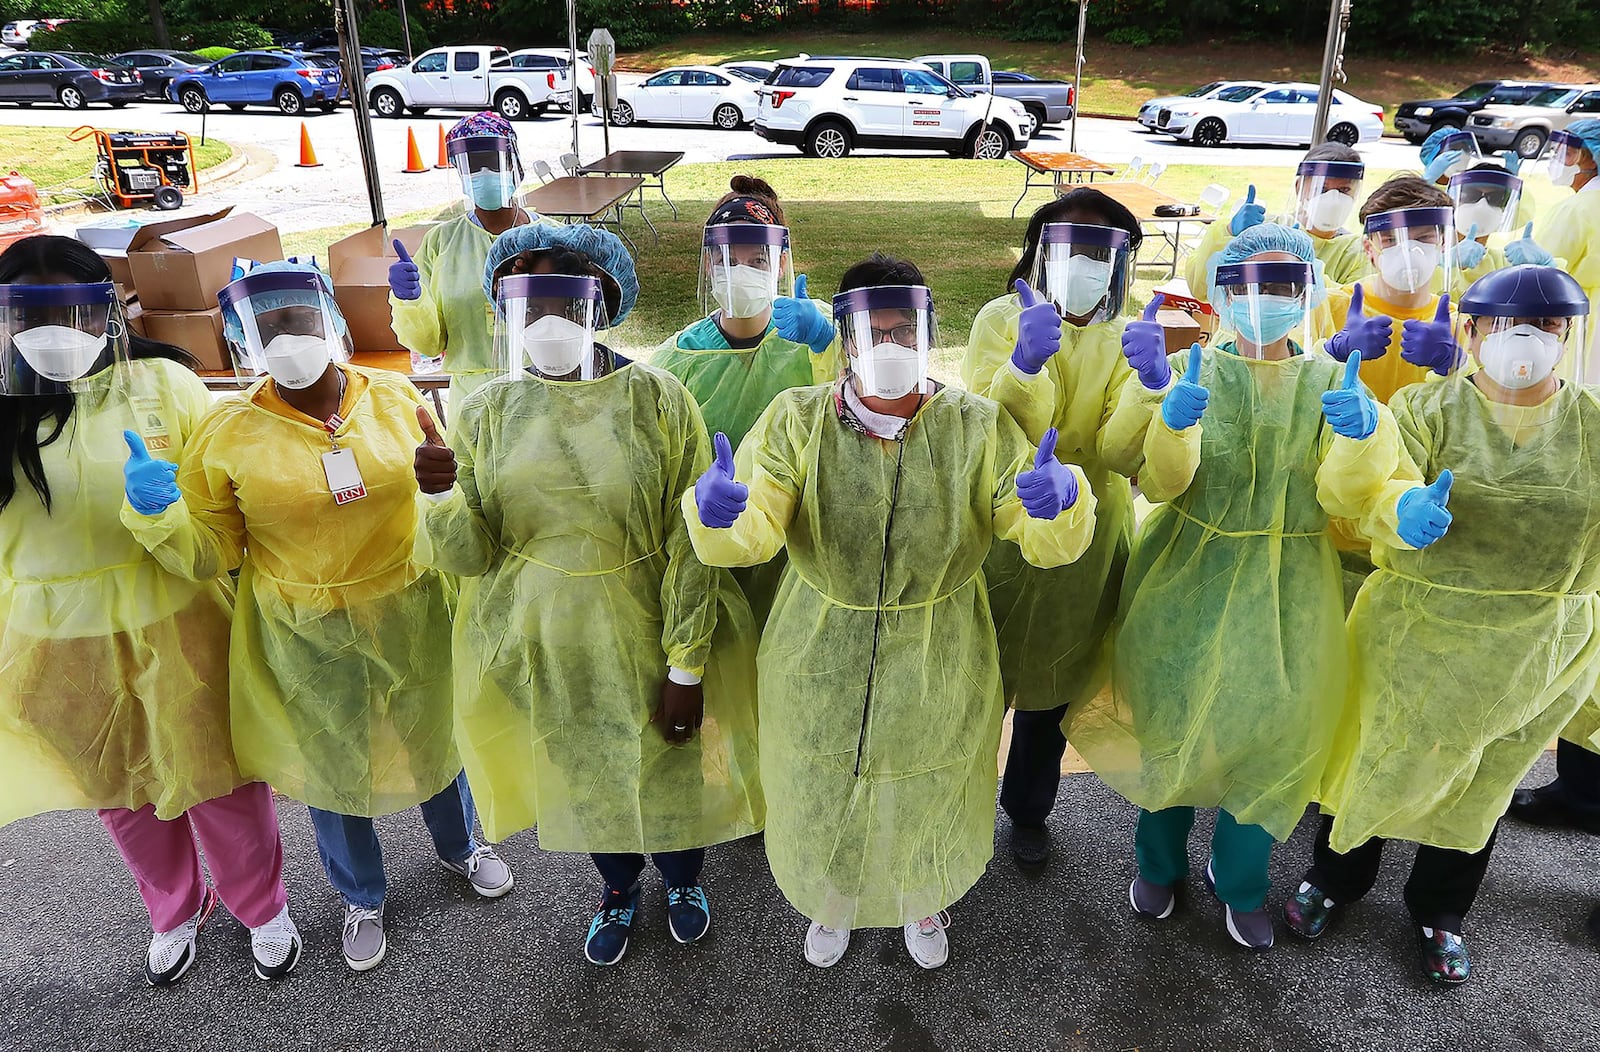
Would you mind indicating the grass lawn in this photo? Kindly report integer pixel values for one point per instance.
(1118, 78)
(56, 164)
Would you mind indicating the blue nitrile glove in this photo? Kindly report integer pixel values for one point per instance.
(1512, 160)
(1431, 344)
(1051, 487)
(1435, 171)
(1526, 250)
(718, 497)
(405, 280)
(1468, 252)
(1186, 402)
(1371, 336)
(1424, 517)
(799, 319)
(1248, 214)
(1351, 412)
(1038, 331)
(151, 485)
(1144, 344)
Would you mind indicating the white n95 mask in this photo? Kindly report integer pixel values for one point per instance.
(743, 292)
(894, 371)
(1521, 356)
(296, 361)
(59, 352)
(1562, 174)
(1328, 210)
(556, 346)
(1481, 214)
(1079, 282)
(1408, 265)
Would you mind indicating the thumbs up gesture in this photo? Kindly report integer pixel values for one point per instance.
(1423, 512)
(1526, 250)
(1431, 344)
(1248, 214)
(1186, 402)
(1468, 252)
(1351, 412)
(1370, 336)
(1144, 344)
(718, 497)
(435, 463)
(151, 485)
(405, 280)
(1051, 487)
(798, 318)
(1038, 331)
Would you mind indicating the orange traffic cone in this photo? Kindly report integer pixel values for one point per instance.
(413, 154)
(308, 156)
(444, 154)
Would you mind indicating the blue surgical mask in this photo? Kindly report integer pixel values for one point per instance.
(1276, 317)
(491, 190)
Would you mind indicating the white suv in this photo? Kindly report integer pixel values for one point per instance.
(829, 106)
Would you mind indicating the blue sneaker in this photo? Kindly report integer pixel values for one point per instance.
(613, 921)
(688, 913)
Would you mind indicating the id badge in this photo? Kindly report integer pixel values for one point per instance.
(344, 476)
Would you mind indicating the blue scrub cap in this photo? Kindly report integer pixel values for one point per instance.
(603, 247)
(1589, 131)
(233, 328)
(1268, 237)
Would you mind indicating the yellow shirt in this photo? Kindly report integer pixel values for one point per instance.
(1384, 376)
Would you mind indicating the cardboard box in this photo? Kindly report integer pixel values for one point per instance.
(1180, 329)
(134, 314)
(1187, 320)
(182, 265)
(198, 332)
(359, 266)
(111, 243)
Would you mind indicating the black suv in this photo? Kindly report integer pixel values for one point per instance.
(1421, 118)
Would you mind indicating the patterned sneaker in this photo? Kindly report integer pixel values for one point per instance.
(486, 871)
(1308, 911)
(688, 913)
(613, 922)
(275, 946)
(1444, 955)
(927, 942)
(824, 946)
(172, 952)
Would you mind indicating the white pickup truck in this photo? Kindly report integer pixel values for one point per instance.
(467, 78)
(1050, 101)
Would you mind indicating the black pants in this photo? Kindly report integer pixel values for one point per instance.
(1577, 777)
(679, 869)
(1438, 894)
(1033, 766)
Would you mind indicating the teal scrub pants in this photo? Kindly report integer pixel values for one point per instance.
(1239, 854)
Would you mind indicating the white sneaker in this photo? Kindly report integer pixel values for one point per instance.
(172, 952)
(824, 946)
(486, 871)
(275, 946)
(927, 942)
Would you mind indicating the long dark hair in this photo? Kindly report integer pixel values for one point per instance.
(21, 418)
(1109, 210)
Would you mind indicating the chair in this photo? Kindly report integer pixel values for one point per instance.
(1213, 198)
(542, 170)
(1130, 174)
(1153, 173)
(570, 162)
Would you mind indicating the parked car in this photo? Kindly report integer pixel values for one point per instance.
(1420, 118)
(16, 34)
(1279, 113)
(159, 67)
(1152, 109)
(750, 69)
(373, 59)
(830, 106)
(1050, 101)
(68, 77)
(315, 40)
(688, 95)
(290, 82)
(540, 58)
(467, 78)
(1527, 128)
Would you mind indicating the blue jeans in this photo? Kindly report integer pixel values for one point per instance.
(353, 859)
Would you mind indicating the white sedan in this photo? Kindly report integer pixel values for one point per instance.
(1279, 113)
(688, 95)
(1152, 109)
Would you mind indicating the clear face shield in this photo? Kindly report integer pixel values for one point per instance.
(744, 267)
(1267, 305)
(1566, 151)
(546, 327)
(1466, 149)
(1410, 245)
(489, 169)
(1326, 194)
(1485, 199)
(1084, 270)
(888, 333)
(291, 328)
(53, 337)
(1522, 352)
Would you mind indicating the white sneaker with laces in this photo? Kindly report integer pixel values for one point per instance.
(172, 952)
(927, 942)
(486, 871)
(824, 946)
(275, 946)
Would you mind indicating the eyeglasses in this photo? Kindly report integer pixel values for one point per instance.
(905, 335)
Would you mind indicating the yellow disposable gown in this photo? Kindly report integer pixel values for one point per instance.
(341, 643)
(1571, 232)
(883, 803)
(113, 671)
(579, 589)
(1229, 666)
(1471, 654)
(1052, 624)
